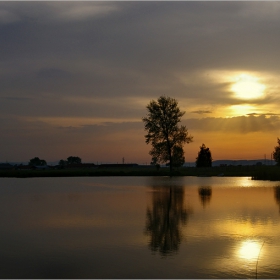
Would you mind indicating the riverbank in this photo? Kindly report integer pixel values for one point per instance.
(256, 172)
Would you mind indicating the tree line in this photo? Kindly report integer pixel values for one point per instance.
(36, 161)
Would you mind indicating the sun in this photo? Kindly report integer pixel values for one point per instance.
(248, 87)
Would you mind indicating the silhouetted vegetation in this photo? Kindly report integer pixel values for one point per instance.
(70, 161)
(74, 160)
(166, 218)
(164, 133)
(37, 162)
(63, 163)
(276, 153)
(262, 172)
(204, 158)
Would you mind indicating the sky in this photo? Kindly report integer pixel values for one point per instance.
(76, 77)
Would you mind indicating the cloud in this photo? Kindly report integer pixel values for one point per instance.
(201, 112)
(75, 11)
(240, 124)
(264, 114)
(48, 12)
(7, 17)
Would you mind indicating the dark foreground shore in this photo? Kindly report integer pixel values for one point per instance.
(265, 172)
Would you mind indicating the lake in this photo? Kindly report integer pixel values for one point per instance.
(139, 227)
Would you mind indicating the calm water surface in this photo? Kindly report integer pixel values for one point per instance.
(139, 227)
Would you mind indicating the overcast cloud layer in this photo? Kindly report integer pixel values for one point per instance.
(76, 76)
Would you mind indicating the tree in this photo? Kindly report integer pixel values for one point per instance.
(276, 153)
(164, 133)
(37, 162)
(204, 158)
(62, 163)
(178, 156)
(74, 160)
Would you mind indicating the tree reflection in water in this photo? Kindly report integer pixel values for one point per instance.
(165, 219)
(205, 194)
(277, 195)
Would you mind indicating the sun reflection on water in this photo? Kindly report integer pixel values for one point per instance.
(249, 250)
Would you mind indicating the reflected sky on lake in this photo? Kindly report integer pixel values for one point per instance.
(139, 227)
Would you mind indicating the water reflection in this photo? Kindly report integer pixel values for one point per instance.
(205, 194)
(78, 227)
(166, 218)
(277, 195)
(249, 249)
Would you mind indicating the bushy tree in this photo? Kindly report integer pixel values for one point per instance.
(74, 160)
(164, 133)
(178, 156)
(204, 158)
(37, 162)
(276, 153)
(62, 163)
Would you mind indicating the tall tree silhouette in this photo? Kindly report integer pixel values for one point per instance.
(204, 158)
(164, 133)
(166, 218)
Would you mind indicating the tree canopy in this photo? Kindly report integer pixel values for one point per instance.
(70, 160)
(74, 160)
(37, 162)
(164, 133)
(276, 153)
(204, 158)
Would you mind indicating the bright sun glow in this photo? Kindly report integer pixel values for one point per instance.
(249, 250)
(242, 110)
(247, 87)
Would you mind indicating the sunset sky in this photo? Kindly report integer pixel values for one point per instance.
(76, 77)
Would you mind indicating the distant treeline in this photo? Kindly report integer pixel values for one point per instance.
(255, 172)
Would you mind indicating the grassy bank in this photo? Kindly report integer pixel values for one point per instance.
(256, 172)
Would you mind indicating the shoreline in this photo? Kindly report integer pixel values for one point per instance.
(264, 172)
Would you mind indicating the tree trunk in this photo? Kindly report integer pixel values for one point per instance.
(170, 158)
